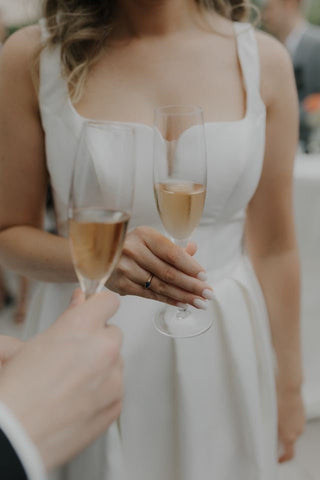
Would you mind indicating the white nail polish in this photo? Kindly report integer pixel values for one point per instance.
(208, 294)
(200, 304)
(182, 305)
(202, 276)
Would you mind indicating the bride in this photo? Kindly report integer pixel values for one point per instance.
(215, 406)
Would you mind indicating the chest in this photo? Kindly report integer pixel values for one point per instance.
(130, 81)
(127, 84)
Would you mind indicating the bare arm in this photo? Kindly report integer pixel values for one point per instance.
(271, 234)
(24, 247)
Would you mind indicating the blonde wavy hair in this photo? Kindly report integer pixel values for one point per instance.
(82, 27)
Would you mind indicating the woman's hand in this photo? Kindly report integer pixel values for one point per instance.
(291, 421)
(178, 279)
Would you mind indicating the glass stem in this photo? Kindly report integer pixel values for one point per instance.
(181, 243)
(182, 312)
(90, 287)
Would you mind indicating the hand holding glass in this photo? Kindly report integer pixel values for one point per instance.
(180, 181)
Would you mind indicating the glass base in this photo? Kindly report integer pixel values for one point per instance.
(178, 323)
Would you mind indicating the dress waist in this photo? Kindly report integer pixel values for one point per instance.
(220, 247)
(220, 243)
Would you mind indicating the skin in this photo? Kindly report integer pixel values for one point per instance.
(271, 239)
(184, 44)
(82, 360)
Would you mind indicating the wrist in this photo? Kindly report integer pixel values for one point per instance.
(287, 384)
(289, 374)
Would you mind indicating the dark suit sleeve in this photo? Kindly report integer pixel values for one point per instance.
(19, 457)
(10, 466)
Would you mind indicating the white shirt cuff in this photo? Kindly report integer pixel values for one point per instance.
(22, 444)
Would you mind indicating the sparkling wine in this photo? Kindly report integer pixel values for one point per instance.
(180, 206)
(96, 237)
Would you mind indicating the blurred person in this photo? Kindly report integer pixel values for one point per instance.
(285, 19)
(6, 298)
(202, 407)
(3, 31)
(59, 391)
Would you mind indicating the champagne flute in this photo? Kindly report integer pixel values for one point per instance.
(180, 181)
(101, 197)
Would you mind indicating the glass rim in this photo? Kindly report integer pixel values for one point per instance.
(188, 108)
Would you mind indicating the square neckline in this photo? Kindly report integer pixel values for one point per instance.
(236, 32)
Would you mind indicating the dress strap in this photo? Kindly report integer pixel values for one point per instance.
(52, 86)
(250, 64)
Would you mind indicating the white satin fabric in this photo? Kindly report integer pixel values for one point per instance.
(201, 408)
(307, 205)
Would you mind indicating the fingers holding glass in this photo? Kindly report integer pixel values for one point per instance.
(137, 265)
(180, 182)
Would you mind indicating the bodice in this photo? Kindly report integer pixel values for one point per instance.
(235, 153)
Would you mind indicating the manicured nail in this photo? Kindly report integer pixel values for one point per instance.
(202, 276)
(208, 294)
(200, 304)
(182, 305)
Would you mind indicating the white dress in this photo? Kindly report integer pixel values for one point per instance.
(194, 409)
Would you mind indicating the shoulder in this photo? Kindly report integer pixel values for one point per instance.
(22, 45)
(275, 66)
(18, 59)
(19, 53)
(271, 50)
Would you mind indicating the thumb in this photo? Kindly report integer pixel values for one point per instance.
(89, 314)
(99, 308)
(191, 248)
(78, 297)
(9, 346)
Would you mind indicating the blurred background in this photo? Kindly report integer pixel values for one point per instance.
(296, 23)
(16, 13)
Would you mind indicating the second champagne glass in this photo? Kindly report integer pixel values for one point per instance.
(101, 197)
(180, 183)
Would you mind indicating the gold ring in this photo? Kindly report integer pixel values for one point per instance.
(149, 280)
